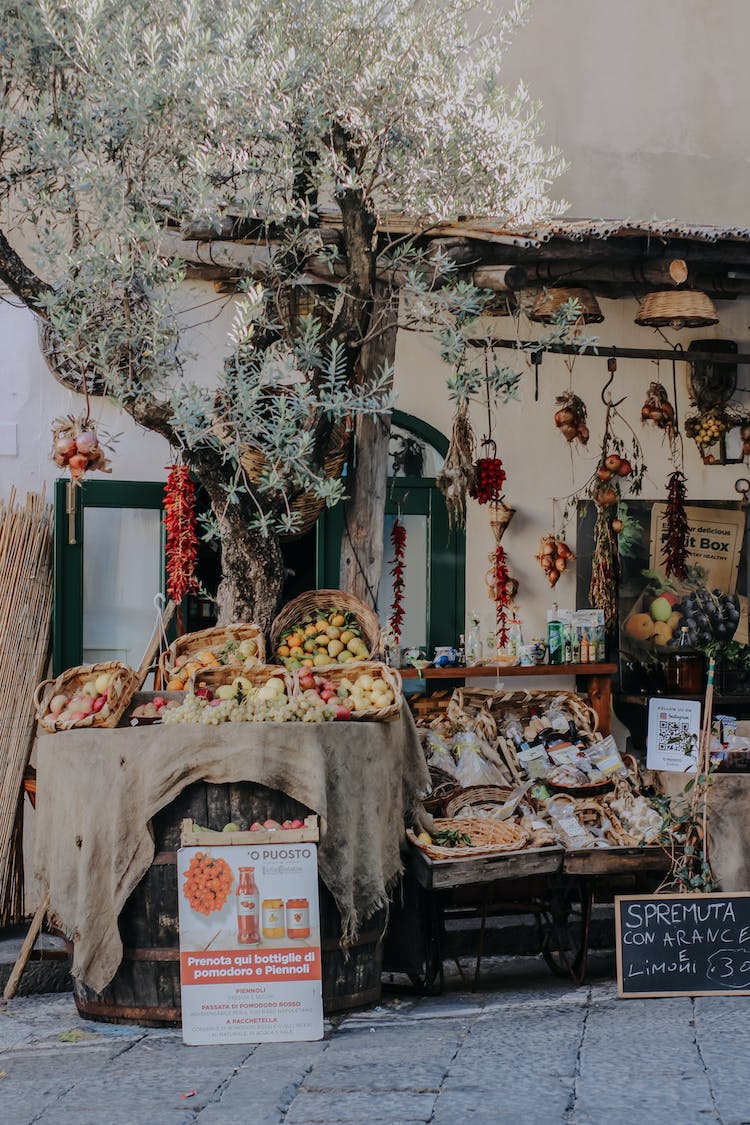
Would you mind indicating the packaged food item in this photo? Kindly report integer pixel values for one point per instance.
(567, 827)
(297, 918)
(606, 757)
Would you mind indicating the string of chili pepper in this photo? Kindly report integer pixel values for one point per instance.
(502, 596)
(398, 539)
(181, 537)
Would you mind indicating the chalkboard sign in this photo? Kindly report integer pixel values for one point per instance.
(683, 945)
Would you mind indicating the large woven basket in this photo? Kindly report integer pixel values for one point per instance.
(306, 505)
(677, 308)
(335, 673)
(549, 303)
(489, 837)
(208, 640)
(212, 678)
(484, 797)
(325, 602)
(498, 703)
(119, 694)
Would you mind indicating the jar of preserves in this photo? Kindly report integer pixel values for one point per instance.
(273, 918)
(298, 918)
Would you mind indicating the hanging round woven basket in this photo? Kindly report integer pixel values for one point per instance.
(549, 303)
(677, 308)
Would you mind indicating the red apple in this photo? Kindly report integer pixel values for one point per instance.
(343, 713)
(256, 826)
(613, 462)
(99, 703)
(625, 469)
(159, 701)
(287, 824)
(297, 823)
(271, 825)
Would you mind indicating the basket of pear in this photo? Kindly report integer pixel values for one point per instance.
(323, 628)
(93, 695)
(239, 644)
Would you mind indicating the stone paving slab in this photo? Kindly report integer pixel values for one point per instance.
(525, 1048)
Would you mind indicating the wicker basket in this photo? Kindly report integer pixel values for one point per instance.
(306, 505)
(549, 303)
(498, 703)
(597, 814)
(487, 798)
(677, 308)
(338, 672)
(212, 678)
(444, 787)
(208, 640)
(325, 602)
(489, 837)
(119, 694)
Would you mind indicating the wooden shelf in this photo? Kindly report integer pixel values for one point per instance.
(494, 671)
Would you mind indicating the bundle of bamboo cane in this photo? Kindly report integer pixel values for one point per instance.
(25, 616)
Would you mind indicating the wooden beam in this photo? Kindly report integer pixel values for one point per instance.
(500, 279)
(667, 272)
(606, 350)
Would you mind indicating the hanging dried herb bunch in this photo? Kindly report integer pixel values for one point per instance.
(605, 568)
(182, 540)
(675, 550)
(398, 539)
(456, 478)
(570, 417)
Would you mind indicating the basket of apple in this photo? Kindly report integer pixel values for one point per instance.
(93, 695)
(240, 643)
(260, 695)
(365, 690)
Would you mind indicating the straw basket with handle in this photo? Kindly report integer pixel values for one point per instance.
(323, 603)
(123, 684)
(219, 638)
(212, 678)
(488, 837)
(335, 673)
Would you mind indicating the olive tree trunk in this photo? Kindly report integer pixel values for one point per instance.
(364, 508)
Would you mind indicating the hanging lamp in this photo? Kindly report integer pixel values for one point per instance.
(550, 301)
(677, 308)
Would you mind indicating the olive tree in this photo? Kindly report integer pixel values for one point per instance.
(124, 120)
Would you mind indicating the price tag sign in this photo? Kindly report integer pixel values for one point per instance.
(673, 732)
(250, 960)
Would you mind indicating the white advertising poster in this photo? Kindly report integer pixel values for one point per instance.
(250, 944)
(673, 732)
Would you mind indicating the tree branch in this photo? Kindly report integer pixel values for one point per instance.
(21, 281)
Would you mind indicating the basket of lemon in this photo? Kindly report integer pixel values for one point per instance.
(241, 644)
(324, 627)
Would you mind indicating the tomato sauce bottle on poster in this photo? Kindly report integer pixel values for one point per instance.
(248, 899)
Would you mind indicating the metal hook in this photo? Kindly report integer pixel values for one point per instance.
(536, 359)
(612, 368)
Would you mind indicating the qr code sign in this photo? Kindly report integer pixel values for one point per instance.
(674, 734)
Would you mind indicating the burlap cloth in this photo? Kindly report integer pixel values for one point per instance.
(98, 789)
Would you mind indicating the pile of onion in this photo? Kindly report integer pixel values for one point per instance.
(570, 418)
(554, 555)
(657, 408)
(78, 450)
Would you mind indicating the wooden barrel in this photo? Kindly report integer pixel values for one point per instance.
(146, 988)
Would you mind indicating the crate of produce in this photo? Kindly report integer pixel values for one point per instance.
(92, 695)
(366, 690)
(240, 643)
(324, 627)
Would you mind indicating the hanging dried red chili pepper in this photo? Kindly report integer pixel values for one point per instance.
(182, 541)
(398, 539)
(502, 587)
(675, 549)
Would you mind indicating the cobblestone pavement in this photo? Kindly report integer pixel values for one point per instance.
(526, 1048)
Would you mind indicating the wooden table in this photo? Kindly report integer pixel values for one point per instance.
(556, 886)
(594, 679)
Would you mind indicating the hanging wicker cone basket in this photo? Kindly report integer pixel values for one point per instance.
(306, 505)
(550, 301)
(677, 308)
(500, 516)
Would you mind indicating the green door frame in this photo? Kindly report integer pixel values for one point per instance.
(69, 529)
(446, 609)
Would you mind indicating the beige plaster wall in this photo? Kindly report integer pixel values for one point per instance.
(647, 100)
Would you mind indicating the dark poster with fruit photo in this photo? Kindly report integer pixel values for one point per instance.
(711, 603)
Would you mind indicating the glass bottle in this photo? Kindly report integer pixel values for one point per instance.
(555, 636)
(685, 667)
(248, 928)
(474, 643)
(515, 637)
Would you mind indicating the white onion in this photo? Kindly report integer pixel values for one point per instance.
(87, 441)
